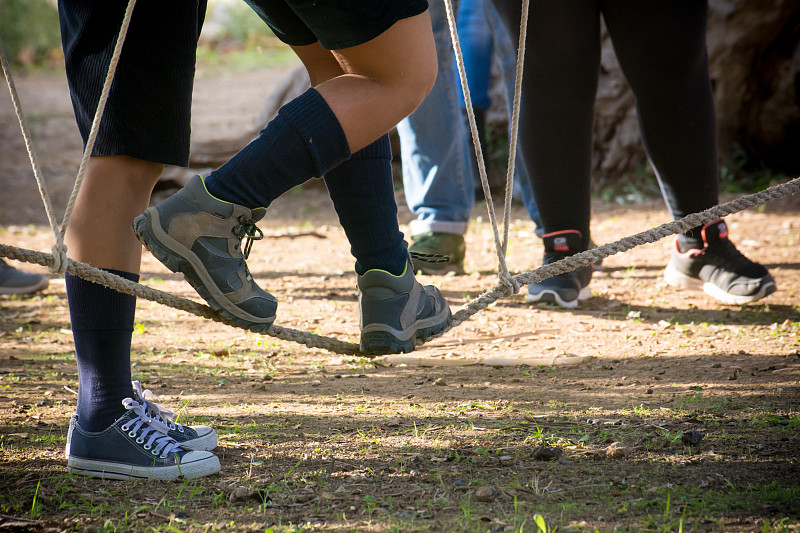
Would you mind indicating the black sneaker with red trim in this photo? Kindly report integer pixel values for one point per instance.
(566, 289)
(718, 269)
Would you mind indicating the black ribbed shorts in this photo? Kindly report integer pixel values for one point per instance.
(336, 24)
(148, 113)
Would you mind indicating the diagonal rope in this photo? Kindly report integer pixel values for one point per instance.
(512, 138)
(112, 281)
(60, 265)
(59, 249)
(467, 310)
(568, 264)
(502, 269)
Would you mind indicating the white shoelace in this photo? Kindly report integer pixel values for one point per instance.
(156, 411)
(144, 426)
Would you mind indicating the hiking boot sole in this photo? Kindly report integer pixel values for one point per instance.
(380, 339)
(176, 257)
(676, 278)
(203, 465)
(553, 297)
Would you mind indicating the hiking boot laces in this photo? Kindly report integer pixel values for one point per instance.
(149, 431)
(247, 229)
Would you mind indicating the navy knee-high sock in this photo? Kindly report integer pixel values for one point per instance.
(304, 140)
(363, 195)
(102, 325)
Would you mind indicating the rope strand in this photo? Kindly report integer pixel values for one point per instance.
(59, 249)
(502, 270)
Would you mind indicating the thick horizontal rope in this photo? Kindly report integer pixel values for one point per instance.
(311, 340)
(112, 281)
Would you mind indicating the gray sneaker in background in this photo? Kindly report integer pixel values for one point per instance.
(13, 281)
(200, 236)
(397, 310)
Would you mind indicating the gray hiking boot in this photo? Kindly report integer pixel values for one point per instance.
(200, 236)
(397, 310)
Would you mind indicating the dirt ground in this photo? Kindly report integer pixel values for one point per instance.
(682, 414)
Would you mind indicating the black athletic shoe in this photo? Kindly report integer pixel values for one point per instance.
(565, 289)
(719, 269)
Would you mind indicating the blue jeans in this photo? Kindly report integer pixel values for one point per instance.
(436, 147)
(476, 40)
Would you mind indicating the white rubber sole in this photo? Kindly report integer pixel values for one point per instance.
(194, 464)
(554, 298)
(206, 439)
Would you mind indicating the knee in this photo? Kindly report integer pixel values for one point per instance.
(135, 175)
(417, 80)
(422, 87)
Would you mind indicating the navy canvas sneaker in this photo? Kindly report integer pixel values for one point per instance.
(567, 289)
(718, 269)
(134, 447)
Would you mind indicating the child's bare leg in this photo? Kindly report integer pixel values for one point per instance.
(114, 191)
(385, 79)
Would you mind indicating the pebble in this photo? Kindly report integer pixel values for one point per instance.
(486, 494)
(240, 494)
(616, 450)
(692, 437)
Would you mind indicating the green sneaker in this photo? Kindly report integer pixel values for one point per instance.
(201, 236)
(396, 311)
(435, 243)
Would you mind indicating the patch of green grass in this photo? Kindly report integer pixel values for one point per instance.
(688, 503)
